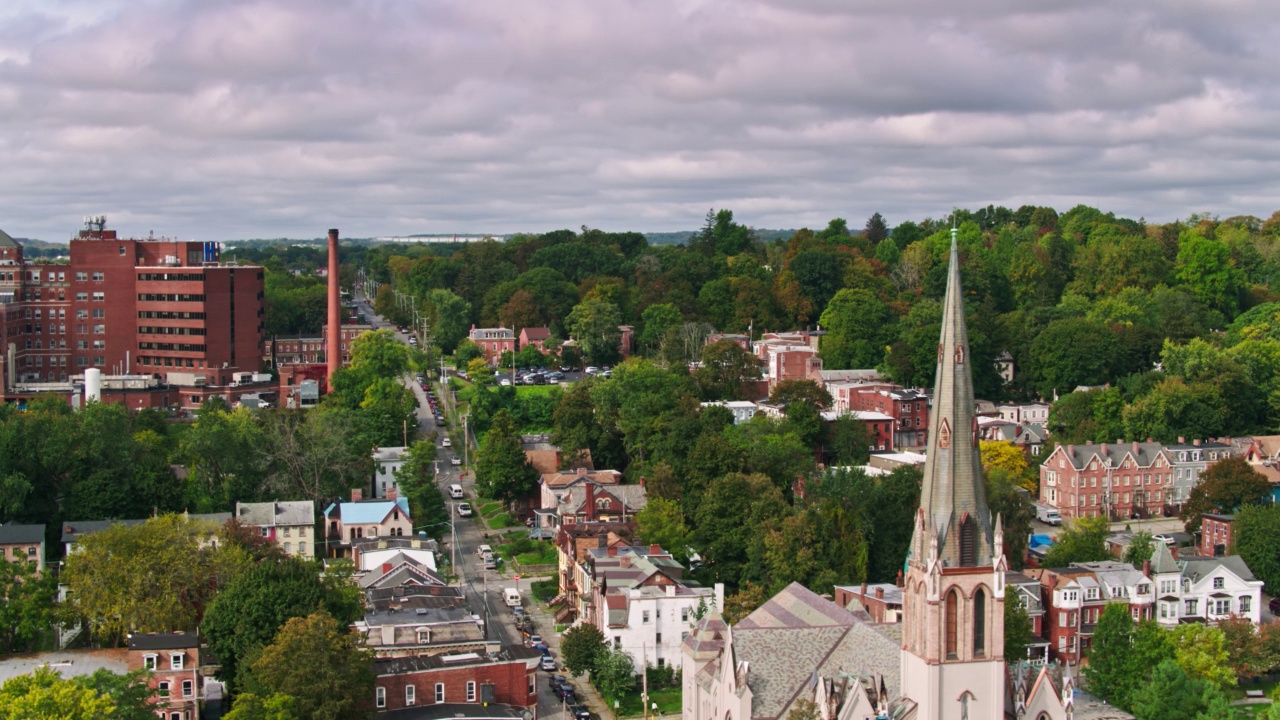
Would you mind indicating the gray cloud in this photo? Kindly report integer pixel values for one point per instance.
(221, 119)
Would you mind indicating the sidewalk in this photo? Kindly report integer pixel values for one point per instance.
(587, 693)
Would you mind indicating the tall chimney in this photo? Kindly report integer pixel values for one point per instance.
(333, 341)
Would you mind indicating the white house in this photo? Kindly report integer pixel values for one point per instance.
(1204, 589)
(386, 461)
(743, 410)
(1032, 412)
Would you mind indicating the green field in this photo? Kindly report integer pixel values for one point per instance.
(668, 700)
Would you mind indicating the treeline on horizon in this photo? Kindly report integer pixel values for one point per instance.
(1179, 319)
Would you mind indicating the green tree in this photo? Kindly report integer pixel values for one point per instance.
(224, 453)
(847, 441)
(479, 371)
(804, 710)
(26, 611)
(448, 316)
(133, 697)
(1141, 545)
(416, 478)
(1008, 500)
(581, 647)
(251, 707)
(1255, 538)
(503, 471)
(45, 695)
(249, 612)
(858, 326)
(796, 390)
(388, 412)
(1170, 695)
(614, 674)
(315, 454)
(1084, 540)
(1017, 627)
(1205, 268)
(1225, 487)
(574, 424)
(727, 371)
(1201, 652)
(1073, 352)
(314, 660)
(876, 229)
(594, 325)
(655, 321)
(1111, 673)
(729, 517)
(661, 522)
(155, 577)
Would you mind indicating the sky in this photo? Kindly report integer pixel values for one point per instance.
(228, 119)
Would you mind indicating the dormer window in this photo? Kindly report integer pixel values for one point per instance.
(175, 661)
(149, 661)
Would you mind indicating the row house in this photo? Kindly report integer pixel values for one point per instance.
(587, 502)
(22, 543)
(1027, 437)
(786, 359)
(1189, 460)
(1110, 480)
(289, 524)
(172, 662)
(909, 409)
(573, 543)
(456, 680)
(349, 522)
(293, 349)
(1076, 597)
(1215, 534)
(407, 619)
(493, 342)
(638, 599)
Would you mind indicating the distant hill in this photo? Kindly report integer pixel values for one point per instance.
(677, 238)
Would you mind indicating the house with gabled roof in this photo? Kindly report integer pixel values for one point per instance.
(289, 524)
(22, 543)
(535, 336)
(1117, 480)
(348, 522)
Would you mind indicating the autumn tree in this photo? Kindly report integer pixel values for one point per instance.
(1225, 487)
(45, 695)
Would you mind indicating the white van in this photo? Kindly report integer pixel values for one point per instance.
(455, 491)
(511, 597)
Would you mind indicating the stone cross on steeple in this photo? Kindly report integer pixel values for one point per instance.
(953, 500)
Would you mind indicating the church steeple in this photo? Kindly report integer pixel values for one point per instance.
(953, 499)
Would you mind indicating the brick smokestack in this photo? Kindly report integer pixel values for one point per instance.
(333, 341)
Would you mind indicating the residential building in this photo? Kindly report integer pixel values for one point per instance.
(626, 340)
(305, 348)
(1027, 591)
(909, 409)
(788, 357)
(1028, 437)
(1075, 597)
(386, 461)
(173, 664)
(742, 341)
(74, 530)
(1215, 534)
(891, 461)
(493, 342)
(588, 502)
(1262, 452)
(536, 337)
(1004, 367)
(881, 601)
(554, 486)
(1204, 589)
(424, 619)
(638, 599)
(504, 675)
(291, 524)
(1030, 412)
(22, 543)
(1118, 480)
(350, 521)
(879, 426)
(1189, 460)
(382, 554)
(743, 410)
(573, 543)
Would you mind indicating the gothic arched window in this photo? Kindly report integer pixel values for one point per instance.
(980, 623)
(950, 622)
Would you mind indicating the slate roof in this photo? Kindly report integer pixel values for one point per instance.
(7, 241)
(270, 514)
(366, 512)
(565, 478)
(1162, 560)
(533, 334)
(14, 534)
(164, 641)
(1197, 567)
(1143, 453)
(797, 634)
(634, 497)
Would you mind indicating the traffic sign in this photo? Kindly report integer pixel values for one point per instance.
(517, 578)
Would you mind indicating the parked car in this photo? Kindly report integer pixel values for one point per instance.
(535, 640)
(565, 693)
(591, 370)
(548, 663)
(484, 550)
(447, 442)
(464, 509)
(455, 460)
(518, 611)
(1166, 539)
(579, 712)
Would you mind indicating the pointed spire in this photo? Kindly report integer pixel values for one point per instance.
(953, 496)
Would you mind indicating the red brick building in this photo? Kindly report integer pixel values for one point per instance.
(493, 342)
(157, 307)
(507, 676)
(174, 663)
(1113, 480)
(1215, 534)
(882, 601)
(908, 409)
(536, 337)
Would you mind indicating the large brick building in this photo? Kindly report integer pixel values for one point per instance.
(507, 675)
(1113, 480)
(168, 309)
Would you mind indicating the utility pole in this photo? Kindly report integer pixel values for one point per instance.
(644, 678)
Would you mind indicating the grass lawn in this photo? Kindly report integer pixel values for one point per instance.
(545, 555)
(540, 389)
(668, 700)
(488, 508)
(501, 520)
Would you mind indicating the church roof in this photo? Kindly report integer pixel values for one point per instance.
(6, 241)
(953, 490)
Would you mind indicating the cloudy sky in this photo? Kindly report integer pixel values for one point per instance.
(223, 119)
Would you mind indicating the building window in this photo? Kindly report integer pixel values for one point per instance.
(684, 614)
(175, 661)
(380, 697)
(410, 695)
(1222, 607)
(149, 662)
(163, 689)
(188, 688)
(1217, 583)
(952, 616)
(1246, 604)
(644, 617)
(439, 692)
(1191, 607)
(471, 691)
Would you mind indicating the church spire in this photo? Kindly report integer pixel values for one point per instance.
(953, 499)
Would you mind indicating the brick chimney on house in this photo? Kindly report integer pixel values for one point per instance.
(357, 494)
(333, 339)
(392, 494)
